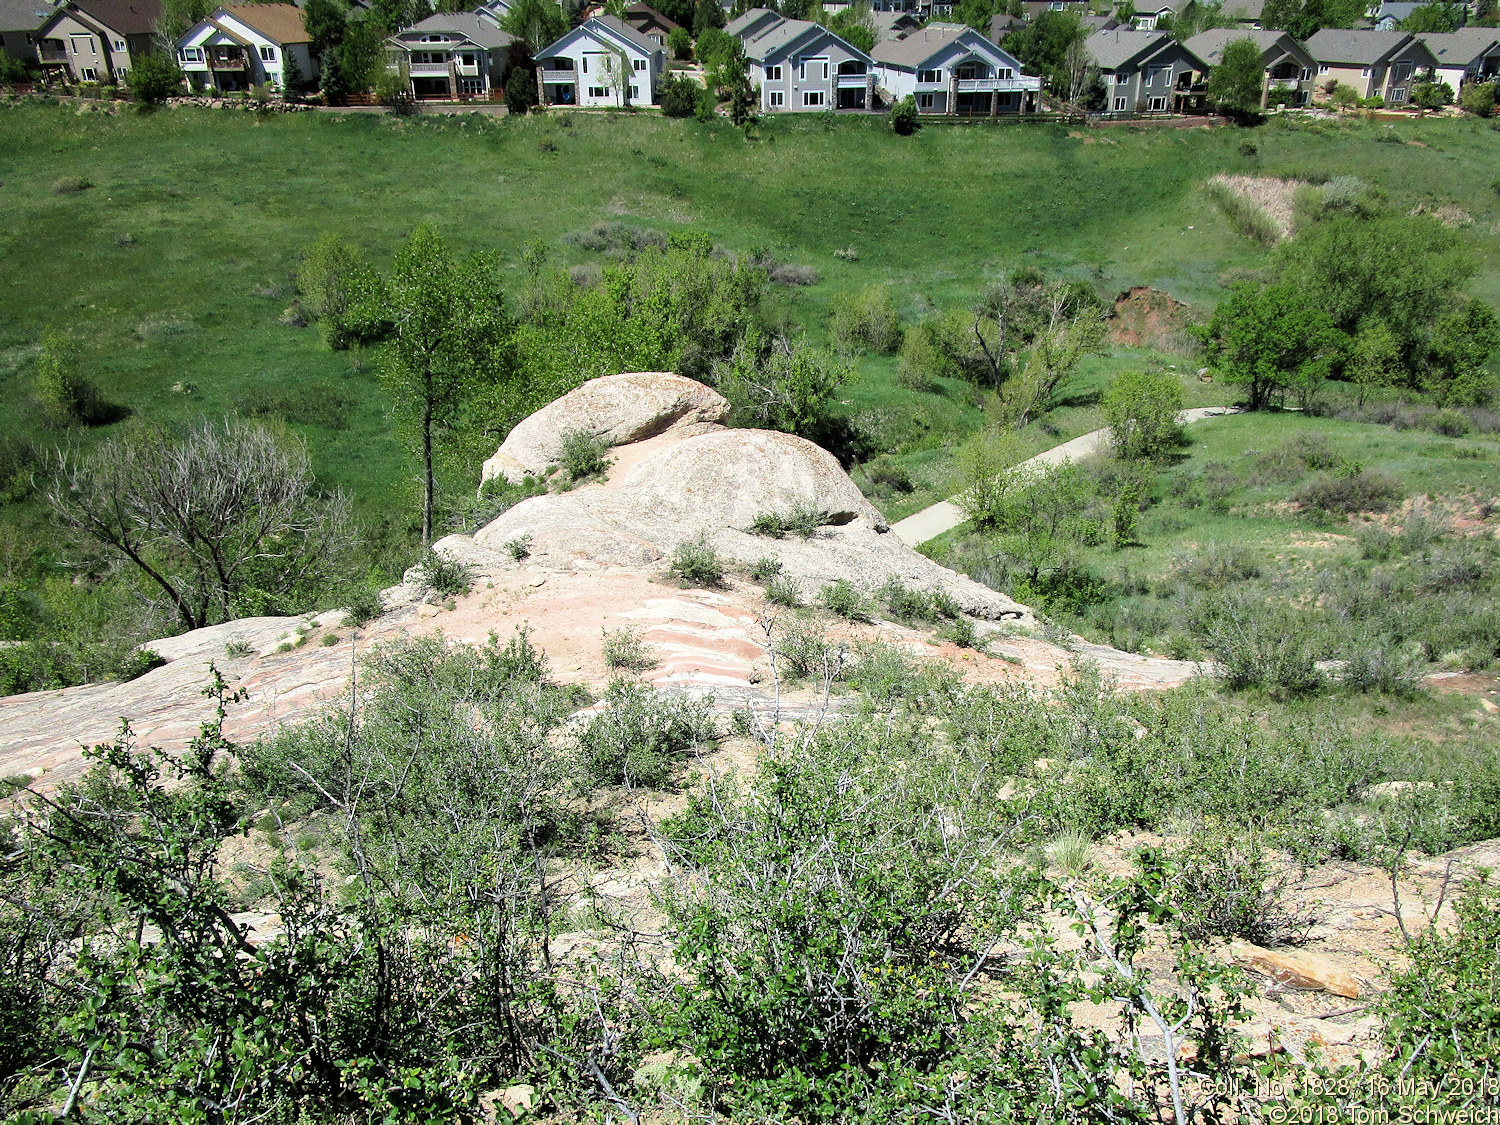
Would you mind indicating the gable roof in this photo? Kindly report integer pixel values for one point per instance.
(602, 27)
(23, 15)
(751, 18)
(471, 25)
(1461, 47)
(1113, 49)
(1338, 45)
(1244, 9)
(128, 17)
(1099, 23)
(1209, 45)
(280, 22)
(645, 12)
(623, 31)
(1398, 9)
(922, 45)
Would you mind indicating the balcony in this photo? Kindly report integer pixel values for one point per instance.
(53, 56)
(852, 81)
(226, 62)
(995, 85)
(428, 70)
(559, 77)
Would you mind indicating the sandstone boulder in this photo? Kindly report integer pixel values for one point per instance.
(1297, 968)
(620, 409)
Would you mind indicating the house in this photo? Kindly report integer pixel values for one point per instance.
(493, 10)
(1154, 13)
(1371, 63)
(650, 23)
(803, 67)
(1290, 70)
(893, 25)
(1390, 15)
(1244, 13)
(96, 40)
(1002, 25)
(246, 45)
(955, 70)
(1146, 71)
(1033, 8)
(1470, 54)
(451, 56)
(601, 62)
(18, 20)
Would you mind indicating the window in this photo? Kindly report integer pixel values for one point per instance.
(812, 98)
(1306, 73)
(123, 75)
(1004, 73)
(90, 74)
(471, 87)
(825, 70)
(801, 71)
(1398, 95)
(1158, 104)
(638, 65)
(1005, 101)
(1365, 73)
(1161, 74)
(853, 66)
(119, 44)
(1119, 105)
(1322, 68)
(929, 76)
(268, 54)
(777, 99)
(598, 92)
(635, 93)
(773, 74)
(585, 64)
(468, 57)
(926, 101)
(273, 77)
(192, 54)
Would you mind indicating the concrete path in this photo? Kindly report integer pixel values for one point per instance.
(943, 516)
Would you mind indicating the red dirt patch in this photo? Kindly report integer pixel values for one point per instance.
(1146, 317)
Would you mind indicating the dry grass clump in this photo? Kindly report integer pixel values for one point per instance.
(1260, 207)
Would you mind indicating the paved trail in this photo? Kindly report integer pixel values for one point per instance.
(943, 516)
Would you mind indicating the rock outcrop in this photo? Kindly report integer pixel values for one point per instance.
(619, 409)
(695, 478)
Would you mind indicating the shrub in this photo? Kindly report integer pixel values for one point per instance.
(444, 575)
(904, 117)
(1375, 661)
(1070, 852)
(1214, 566)
(1141, 409)
(520, 89)
(138, 663)
(642, 736)
(920, 361)
(66, 398)
(961, 631)
(765, 569)
(582, 456)
(1350, 490)
(783, 592)
(678, 94)
(680, 43)
(1227, 887)
(519, 548)
(806, 653)
(696, 563)
(1449, 423)
(626, 651)
(154, 78)
(865, 321)
(1264, 644)
(70, 184)
(841, 597)
(904, 603)
(364, 606)
(1478, 98)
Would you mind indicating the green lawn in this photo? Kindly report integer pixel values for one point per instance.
(172, 271)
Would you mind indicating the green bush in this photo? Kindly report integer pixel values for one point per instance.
(765, 569)
(680, 43)
(642, 737)
(696, 563)
(1214, 566)
(904, 117)
(625, 651)
(920, 361)
(843, 598)
(802, 520)
(1227, 887)
(807, 654)
(66, 398)
(444, 575)
(1351, 490)
(1478, 98)
(1266, 644)
(1141, 408)
(783, 592)
(678, 94)
(866, 320)
(583, 455)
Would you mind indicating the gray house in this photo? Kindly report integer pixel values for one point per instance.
(1390, 15)
(1244, 13)
(600, 63)
(1290, 70)
(18, 19)
(97, 40)
(1470, 54)
(802, 67)
(451, 55)
(955, 70)
(1146, 72)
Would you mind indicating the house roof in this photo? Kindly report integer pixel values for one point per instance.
(128, 17)
(1397, 9)
(896, 25)
(1461, 47)
(1113, 49)
(281, 22)
(646, 12)
(919, 46)
(471, 25)
(1244, 9)
(624, 31)
(1338, 45)
(737, 26)
(1099, 23)
(1209, 45)
(23, 15)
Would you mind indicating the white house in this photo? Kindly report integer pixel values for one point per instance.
(244, 45)
(601, 62)
(1470, 54)
(955, 70)
(802, 67)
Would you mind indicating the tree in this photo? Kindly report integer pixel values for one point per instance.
(66, 397)
(678, 95)
(1237, 84)
(1429, 19)
(1272, 339)
(707, 14)
(904, 117)
(155, 78)
(538, 22)
(781, 384)
(223, 519)
(448, 342)
(1080, 70)
(1070, 333)
(730, 72)
(520, 87)
(1141, 410)
(1375, 359)
(325, 22)
(1042, 46)
(1463, 344)
(680, 43)
(856, 25)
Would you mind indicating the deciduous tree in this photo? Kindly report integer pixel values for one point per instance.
(1272, 339)
(1236, 84)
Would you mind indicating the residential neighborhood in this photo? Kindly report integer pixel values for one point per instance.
(1127, 61)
